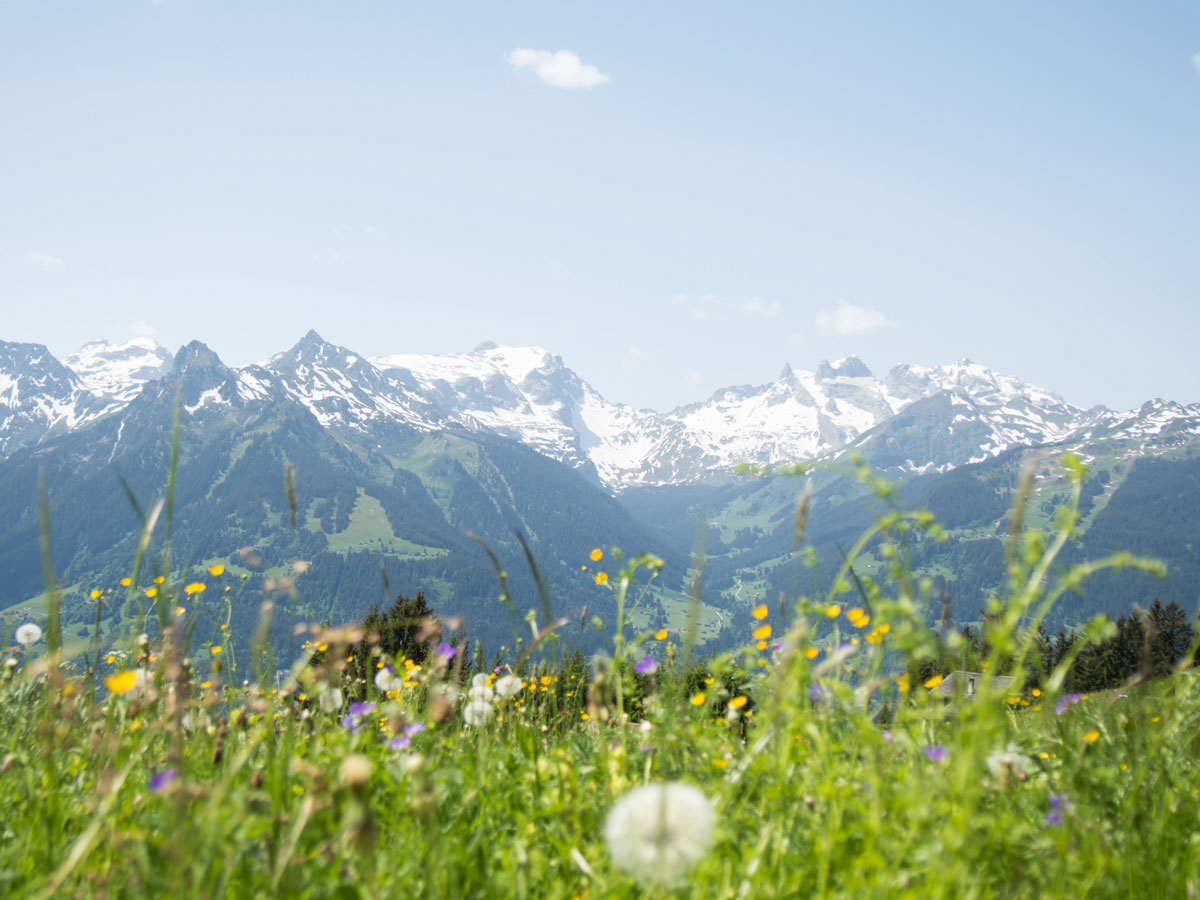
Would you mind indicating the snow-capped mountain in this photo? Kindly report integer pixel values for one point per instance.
(913, 419)
(40, 397)
(119, 371)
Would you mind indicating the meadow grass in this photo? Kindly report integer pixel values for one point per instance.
(827, 767)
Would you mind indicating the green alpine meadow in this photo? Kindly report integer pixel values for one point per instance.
(844, 747)
(599, 451)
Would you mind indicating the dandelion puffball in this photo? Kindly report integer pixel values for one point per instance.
(658, 832)
(330, 699)
(1008, 762)
(508, 686)
(29, 634)
(387, 680)
(477, 710)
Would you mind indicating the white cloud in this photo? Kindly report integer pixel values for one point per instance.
(45, 260)
(796, 338)
(1196, 62)
(846, 320)
(563, 69)
(714, 308)
(142, 328)
(634, 358)
(693, 377)
(333, 257)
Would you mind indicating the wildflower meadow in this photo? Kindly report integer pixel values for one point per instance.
(826, 756)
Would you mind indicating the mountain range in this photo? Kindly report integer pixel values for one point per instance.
(529, 395)
(396, 458)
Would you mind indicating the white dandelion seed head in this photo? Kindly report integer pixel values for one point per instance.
(1008, 762)
(29, 634)
(480, 680)
(508, 686)
(481, 693)
(387, 680)
(477, 711)
(659, 832)
(443, 692)
(330, 699)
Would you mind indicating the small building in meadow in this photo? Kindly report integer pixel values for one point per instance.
(965, 684)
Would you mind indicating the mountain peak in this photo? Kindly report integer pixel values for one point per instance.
(850, 367)
(195, 356)
(486, 346)
(787, 372)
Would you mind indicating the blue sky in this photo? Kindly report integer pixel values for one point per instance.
(699, 194)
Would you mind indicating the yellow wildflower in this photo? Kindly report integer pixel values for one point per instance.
(122, 682)
(762, 632)
(601, 578)
(759, 612)
(596, 555)
(194, 588)
(698, 698)
(216, 571)
(832, 611)
(933, 681)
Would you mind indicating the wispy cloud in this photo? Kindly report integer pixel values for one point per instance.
(563, 69)
(846, 320)
(45, 260)
(714, 308)
(142, 328)
(693, 377)
(634, 357)
(1196, 62)
(332, 257)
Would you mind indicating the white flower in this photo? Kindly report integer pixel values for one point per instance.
(442, 692)
(477, 710)
(386, 680)
(660, 831)
(29, 634)
(508, 686)
(480, 680)
(330, 699)
(1008, 762)
(481, 692)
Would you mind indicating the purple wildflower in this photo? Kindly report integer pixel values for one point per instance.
(779, 646)
(446, 652)
(1065, 701)
(887, 736)
(1059, 804)
(160, 780)
(646, 666)
(936, 753)
(353, 719)
(401, 741)
(819, 693)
